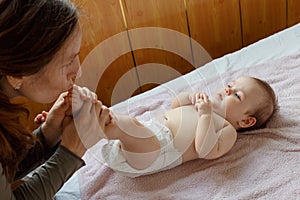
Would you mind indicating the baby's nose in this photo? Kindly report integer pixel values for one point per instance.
(227, 91)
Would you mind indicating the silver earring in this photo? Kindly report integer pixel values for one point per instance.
(18, 87)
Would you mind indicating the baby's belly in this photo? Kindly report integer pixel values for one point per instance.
(182, 122)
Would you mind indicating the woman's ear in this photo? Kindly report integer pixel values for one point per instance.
(247, 122)
(15, 82)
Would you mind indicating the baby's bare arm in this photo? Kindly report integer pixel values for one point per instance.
(226, 139)
(180, 100)
(185, 98)
(209, 142)
(206, 136)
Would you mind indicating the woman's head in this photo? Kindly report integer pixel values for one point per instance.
(39, 46)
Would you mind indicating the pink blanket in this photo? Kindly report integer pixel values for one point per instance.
(264, 164)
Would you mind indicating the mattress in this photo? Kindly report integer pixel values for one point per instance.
(278, 49)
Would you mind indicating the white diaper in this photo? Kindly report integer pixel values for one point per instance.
(168, 157)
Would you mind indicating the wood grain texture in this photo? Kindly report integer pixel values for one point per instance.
(215, 24)
(110, 56)
(104, 41)
(99, 20)
(158, 33)
(118, 82)
(157, 69)
(293, 12)
(157, 13)
(261, 18)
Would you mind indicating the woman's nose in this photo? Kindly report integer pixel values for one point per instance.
(79, 72)
(77, 68)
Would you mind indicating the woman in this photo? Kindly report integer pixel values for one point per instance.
(39, 46)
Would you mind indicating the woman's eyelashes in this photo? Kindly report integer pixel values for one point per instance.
(68, 64)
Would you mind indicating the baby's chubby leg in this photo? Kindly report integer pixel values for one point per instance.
(139, 144)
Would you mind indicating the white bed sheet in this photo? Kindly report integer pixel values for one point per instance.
(276, 46)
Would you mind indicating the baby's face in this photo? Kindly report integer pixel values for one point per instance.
(237, 99)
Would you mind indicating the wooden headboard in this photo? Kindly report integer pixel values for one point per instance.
(219, 26)
(121, 56)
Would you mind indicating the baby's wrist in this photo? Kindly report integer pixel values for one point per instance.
(206, 115)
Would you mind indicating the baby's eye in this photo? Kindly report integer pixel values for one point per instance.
(229, 86)
(238, 96)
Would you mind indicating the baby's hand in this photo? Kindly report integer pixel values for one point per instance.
(195, 96)
(41, 118)
(203, 105)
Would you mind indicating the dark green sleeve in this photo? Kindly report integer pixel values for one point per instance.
(5, 191)
(36, 156)
(50, 177)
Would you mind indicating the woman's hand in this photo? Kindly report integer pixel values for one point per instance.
(86, 128)
(52, 125)
(68, 104)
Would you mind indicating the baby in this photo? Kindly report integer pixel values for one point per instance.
(196, 127)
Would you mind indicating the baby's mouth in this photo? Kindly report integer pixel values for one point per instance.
(220, 96)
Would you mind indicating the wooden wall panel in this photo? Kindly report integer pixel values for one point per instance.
(110, 33)
(158, 32)
(169, 33)
(157, 13)
(261, 18)
(101, 21)
(118, 82)
(215, 24)
(293, 12)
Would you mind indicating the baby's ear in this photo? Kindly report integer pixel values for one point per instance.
(247, 122)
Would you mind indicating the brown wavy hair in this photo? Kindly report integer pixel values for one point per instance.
(31, 33)
(266, 109)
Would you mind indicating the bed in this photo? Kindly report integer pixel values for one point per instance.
(263, 164)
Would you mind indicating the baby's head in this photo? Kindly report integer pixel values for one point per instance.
(247, 103)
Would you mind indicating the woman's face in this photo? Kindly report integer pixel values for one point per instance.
(57, 76)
